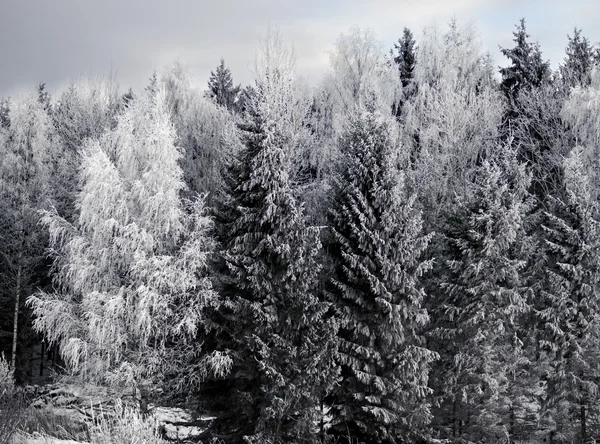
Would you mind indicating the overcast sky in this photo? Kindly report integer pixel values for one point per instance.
(54, 41)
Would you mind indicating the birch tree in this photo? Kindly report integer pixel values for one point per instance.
(130, 273)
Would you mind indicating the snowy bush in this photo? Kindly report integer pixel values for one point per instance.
(7, 381)
(128, 425)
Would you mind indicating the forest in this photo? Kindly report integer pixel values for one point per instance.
(406, 252)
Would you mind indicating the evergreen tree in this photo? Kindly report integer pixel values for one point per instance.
(221, 88)
(527, 67)
(405, 60)
(479, 313)
(577, 67)
(271, 322)
(376, 250)
(571, 317)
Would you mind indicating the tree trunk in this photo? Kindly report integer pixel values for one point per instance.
(42, 358)
(13, 360)
(582, 418)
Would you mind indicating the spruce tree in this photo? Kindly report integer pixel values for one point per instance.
(405, 60)
(579, 61)
(527, 67)
(483, 298)
(571, 317)
(221, 88)
(271, 321)
(377, 249)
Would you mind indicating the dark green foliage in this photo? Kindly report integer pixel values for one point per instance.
(221, 88)
(571, 317)
(376, 250)
(527, 68)
(405, 60)
(481, 301)
(271, 321)
(577, 67)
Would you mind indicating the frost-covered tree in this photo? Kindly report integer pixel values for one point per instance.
(581, 111)
(577, 67)
(452, 121)
(527, 68)
(221, 88)
(272, 323)
(360, 67)
(543, 137)
(25, 159)
(480, 301)
(376, 249)
(571, 317)
(405, 59)
(130, 273)
(206, 133)
(85, 110)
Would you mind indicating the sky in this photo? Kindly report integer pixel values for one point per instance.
(56, 41)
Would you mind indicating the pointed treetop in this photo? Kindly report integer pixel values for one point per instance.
(221, 87)
(527, 67)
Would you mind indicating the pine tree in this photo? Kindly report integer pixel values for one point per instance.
(527, 67)
(376, 249)
(405, 61)
(221, 88)
(481, 303)
(571, 316)
(272, 323)
(130, 273)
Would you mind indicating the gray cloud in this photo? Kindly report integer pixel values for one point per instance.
(57, 40)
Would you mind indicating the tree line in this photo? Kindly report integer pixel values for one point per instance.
(408, 252)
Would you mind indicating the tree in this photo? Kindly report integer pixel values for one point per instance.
(544, 138)
(482, 297)
(130, 274)
(206, 133)
(579, 61)
(571, 316)
(405, 60)
(25, 181)
(376, 249)
(581, 111)
(221, 88)
(272, 323)
(360, 68)
(85, 110)
(527, 68)
(452, 121)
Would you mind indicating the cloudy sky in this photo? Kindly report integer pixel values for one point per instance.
(54, 41)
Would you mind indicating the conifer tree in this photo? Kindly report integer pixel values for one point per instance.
(221, 88)
(405, 60)
(130, 273)
(478, 315)
(571, 316)
(376, 249)
(272, 323)
(579, 61)
(527, 67)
